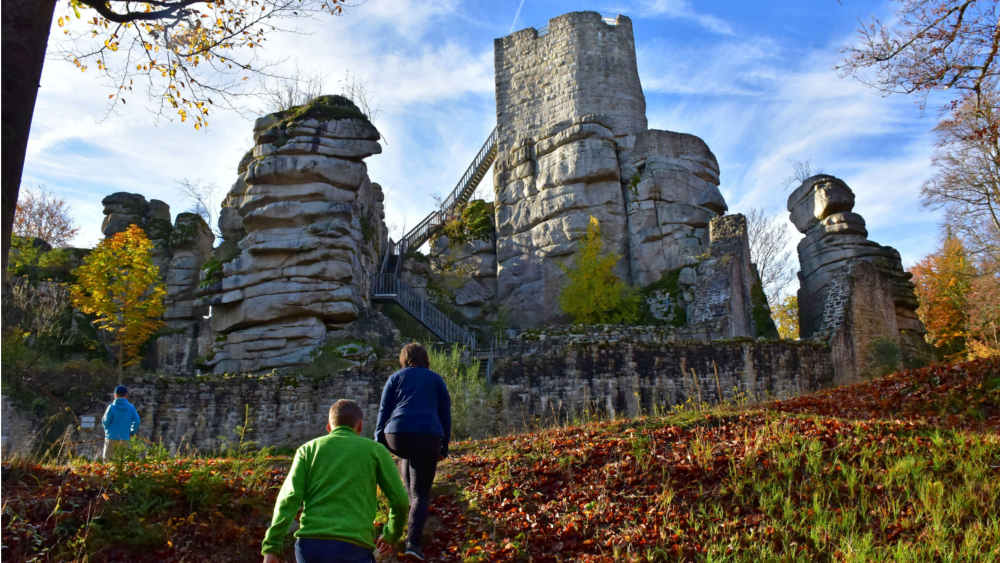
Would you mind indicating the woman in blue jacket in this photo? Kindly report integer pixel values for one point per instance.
(414, 422)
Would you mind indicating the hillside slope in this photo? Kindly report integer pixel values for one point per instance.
(905, 468)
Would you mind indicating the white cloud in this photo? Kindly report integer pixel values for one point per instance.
(436, 94)
(683, 9)
(758, 112)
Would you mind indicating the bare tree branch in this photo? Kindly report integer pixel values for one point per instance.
(769, 241)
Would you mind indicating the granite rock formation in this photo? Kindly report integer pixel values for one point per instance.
(314, 234)
(573, 143)
(821, 209)
(122, 209)
(671, 183)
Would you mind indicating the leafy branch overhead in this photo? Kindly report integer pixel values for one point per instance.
(186, 52)
(928, 45)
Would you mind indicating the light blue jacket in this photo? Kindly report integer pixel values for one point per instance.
(121, 421)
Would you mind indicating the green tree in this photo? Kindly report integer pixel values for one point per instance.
(594, 294)
(786, 316)
(121, 286)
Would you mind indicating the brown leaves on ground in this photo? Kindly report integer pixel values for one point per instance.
(903, 468)
(964, 395)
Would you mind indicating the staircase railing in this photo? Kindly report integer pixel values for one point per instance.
(463, 191)
(389, 286)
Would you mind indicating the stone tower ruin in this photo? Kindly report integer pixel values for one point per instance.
(573, 143)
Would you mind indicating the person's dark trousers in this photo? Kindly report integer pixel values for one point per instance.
(419, 453)
(315, 550)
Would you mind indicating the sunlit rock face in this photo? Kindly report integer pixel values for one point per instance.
(821, 209)
(671, 186)
(122, 209)
(573, 144)
(314, 230)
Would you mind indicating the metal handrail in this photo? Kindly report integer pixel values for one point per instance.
(542, 30)
(460, 194)
(391, 286)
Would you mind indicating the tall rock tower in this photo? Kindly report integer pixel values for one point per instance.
(573, 143)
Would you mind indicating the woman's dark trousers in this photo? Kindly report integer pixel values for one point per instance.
(419, 454)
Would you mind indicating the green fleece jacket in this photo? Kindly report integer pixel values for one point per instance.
(333, 480)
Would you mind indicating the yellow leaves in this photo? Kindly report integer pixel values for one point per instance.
(595, 294)
(121, 286)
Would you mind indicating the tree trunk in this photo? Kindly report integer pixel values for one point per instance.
(24, 33)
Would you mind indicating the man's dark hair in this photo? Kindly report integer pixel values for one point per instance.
(346, 413)
(121, 391)
(414, 355)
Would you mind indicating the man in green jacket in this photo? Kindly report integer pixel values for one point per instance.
(333, 480)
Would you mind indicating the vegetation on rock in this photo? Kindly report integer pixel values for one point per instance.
(594, 294)
(474, 222)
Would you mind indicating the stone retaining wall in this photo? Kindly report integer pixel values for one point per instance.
(633, 372)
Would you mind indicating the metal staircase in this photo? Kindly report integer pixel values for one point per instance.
(456, 199)
(387, 285)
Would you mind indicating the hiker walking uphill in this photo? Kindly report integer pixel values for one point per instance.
(121, 422)
(414, 422)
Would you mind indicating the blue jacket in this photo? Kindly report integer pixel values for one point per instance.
(121, 421)
(415, 400)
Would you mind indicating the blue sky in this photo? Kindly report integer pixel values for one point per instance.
(754, 79)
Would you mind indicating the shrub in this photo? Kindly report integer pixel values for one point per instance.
(471, 396)
(594, 294)
(883, 357)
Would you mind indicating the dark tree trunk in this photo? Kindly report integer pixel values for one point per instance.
(24, 35)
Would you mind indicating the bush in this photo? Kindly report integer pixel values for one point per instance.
(472, 398)
(475, 222)
(883, 357)
(594, 294)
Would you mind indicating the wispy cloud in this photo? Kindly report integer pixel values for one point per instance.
(683, 9)
(759, 112)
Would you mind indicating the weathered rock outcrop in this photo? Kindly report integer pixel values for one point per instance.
(314, 233)
(460, 279)
(821, 208)
(548, 188)
(572, 143)
(191, 244)
(670, 182)
(122, 209)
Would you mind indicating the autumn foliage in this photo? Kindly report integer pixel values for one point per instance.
(902, 468)
(121, 287)
(595, 294)
(786, 317)
(959, 302)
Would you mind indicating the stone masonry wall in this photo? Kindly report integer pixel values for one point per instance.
(859, 310)
(617, 373)
(198, 413)
(580, 65)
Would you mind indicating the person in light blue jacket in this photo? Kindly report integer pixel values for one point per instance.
(121, 422)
